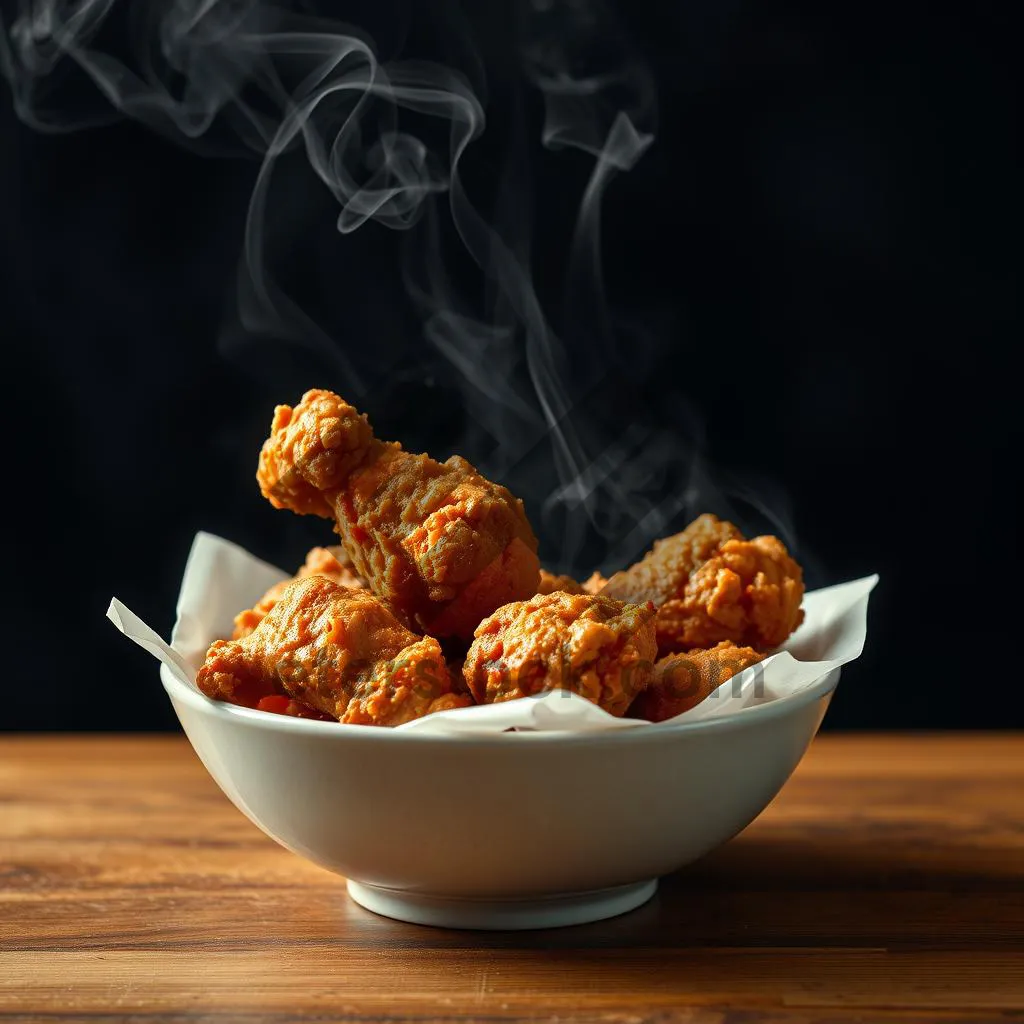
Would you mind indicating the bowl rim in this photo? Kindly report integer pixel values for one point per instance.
(742, 718)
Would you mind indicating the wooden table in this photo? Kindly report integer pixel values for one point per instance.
(886, 883)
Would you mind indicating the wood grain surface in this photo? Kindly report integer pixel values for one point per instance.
(886, 883)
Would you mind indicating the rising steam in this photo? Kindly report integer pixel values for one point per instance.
(386, 139)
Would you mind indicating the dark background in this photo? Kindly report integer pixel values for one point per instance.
(813, 272)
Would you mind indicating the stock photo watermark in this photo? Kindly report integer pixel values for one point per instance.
(684, 677)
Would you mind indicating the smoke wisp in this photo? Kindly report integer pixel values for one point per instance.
(387, 140)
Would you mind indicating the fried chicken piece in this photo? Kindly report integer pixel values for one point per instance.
(451, 702)
(682, 681)
(333, 562)
(552, 583)
(597, 647)
(662, 574)
(442, 544)
(749, 592)
(340, 651)
(709, 585)
(279, 704)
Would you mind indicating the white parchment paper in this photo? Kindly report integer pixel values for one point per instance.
(221, 579)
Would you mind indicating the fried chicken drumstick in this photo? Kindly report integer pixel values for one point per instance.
(339, 651)
(440, 543)
(682, 681)
(710, 585)
(597, 647)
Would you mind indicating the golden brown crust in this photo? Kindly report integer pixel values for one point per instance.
(279, 704)
(332, 562)
(682, 681)
(338, 650)
(442, 544)
(552, 583)
(311, 452)
(595, 646)
(246, 621)
(450, 702)
(663, 572)
(749, 592)
(710, 585)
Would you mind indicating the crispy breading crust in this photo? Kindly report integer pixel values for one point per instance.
(552, 583)
(442, 544)
(682, 681)
(338, 650)
(595, 646)
(709, 585)
(332, 562)
(662, 573)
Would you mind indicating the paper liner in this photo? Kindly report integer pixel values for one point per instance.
(221, 579)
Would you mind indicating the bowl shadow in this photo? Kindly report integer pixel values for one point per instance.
(823, 891)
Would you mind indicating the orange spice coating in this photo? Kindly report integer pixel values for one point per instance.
(662, 574)
(552, 583)
(280, 704)
(332, 562)
(442, 544)
(597, 647)
(338, 650)
(682, 681)
(709, 585)
(749, 592)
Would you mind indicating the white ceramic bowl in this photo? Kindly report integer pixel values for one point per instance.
(513, 830)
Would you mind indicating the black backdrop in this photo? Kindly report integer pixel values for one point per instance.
(813, 270)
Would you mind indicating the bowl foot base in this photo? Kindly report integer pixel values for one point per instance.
(494, 915)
